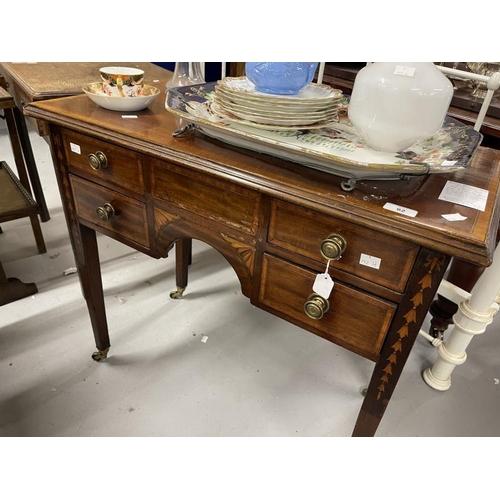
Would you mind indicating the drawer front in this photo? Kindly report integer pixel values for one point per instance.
(370, 255)
(207, 197)
(123, 167)
(129, 219)
(355, 320)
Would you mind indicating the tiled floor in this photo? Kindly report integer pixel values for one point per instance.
(254, 376)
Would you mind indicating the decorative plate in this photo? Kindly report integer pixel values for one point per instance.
(274, 112)
(271, 122)
(313, 92)
(295, 106)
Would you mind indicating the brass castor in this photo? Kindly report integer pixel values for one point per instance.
(100, 355)
(177, 294)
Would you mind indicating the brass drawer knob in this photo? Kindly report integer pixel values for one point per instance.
(333, 247)
(316, 306)
(105, 212)
(98, 160)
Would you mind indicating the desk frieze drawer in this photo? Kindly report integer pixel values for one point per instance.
(350, 318)
(110, 210)
(207, 197)
(99, 160)
(366, 253)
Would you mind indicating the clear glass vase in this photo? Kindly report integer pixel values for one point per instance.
(186, 73)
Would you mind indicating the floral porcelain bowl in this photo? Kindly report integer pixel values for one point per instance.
(140, 99)
(284, 78)
(121, 81)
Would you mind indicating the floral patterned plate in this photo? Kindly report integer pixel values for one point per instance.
(333, 147)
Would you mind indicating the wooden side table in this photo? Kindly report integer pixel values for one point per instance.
(16, 202)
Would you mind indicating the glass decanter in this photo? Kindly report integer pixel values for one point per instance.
(185, 73)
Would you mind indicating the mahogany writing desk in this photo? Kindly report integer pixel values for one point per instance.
(274, 221)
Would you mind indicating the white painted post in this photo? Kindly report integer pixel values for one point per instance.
(472, 318)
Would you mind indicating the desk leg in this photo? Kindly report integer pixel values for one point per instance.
(426, 276)
(31, 165)
(89, 270)
(183, 251)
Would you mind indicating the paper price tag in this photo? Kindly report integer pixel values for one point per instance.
(75, 148)
(404, 71)
(323, 285)
(463, 194)
(400, 210)
(370, 261)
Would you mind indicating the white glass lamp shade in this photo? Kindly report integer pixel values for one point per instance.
(395, 104)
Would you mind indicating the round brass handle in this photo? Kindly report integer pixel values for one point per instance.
(316, 306)
(98, 160)
(333, 247)
(105, 212)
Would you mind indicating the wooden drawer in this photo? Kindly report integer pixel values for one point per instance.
(129, 220)
(302, 231)
(207, 197)
(124, 167)
(355, 320)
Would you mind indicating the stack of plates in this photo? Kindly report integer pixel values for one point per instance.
(237, 100)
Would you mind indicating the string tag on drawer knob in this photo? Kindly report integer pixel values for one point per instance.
(323, 284)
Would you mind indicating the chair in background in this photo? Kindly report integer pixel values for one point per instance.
(16, 201)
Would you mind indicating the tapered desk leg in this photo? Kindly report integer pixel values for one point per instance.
(426, 276)
(472, 318)
(89, 270)
(31, 165)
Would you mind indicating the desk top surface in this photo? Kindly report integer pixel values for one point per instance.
(472, 239)
(46, 80)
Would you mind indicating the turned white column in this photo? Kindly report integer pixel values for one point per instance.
(472, 318)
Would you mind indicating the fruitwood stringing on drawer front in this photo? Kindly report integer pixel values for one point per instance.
(355, 320)
(124, 167)
(302, 231)
(129, 221)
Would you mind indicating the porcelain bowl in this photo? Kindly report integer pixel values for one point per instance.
(120, 80)
(140, 100)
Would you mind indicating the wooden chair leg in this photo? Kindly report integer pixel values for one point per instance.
(37, 232)
(24, 178)
(31, 167)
